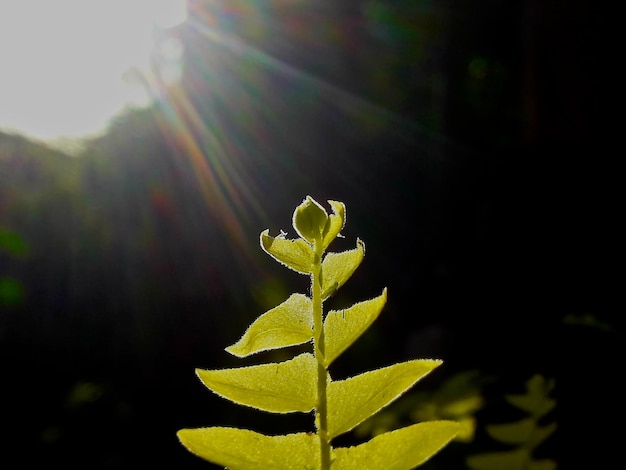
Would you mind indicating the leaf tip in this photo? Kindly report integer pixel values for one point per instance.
(234, 350)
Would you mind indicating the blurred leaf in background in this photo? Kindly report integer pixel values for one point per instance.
(11, 289)
(12, 243)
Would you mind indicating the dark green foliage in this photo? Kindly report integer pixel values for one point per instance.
(523, 436)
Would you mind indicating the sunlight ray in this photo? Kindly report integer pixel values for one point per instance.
(190, 136)
(347, 101)
(245, 110)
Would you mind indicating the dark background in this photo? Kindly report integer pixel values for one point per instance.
(472, 143)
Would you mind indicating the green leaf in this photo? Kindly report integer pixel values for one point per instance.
(338, 267)
(12, 291)
(541, 434)
(288, 324)
(335, 223)
(402, 449)
(511, 460)
(525, 431)
(295, 254)
(13, 243)
(309, 220)
(536, 405)
(241, 449)
(353, 400)
(279, 387)
(536, 401)
(518, 432)
(343, 327)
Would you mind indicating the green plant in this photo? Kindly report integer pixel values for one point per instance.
(524, 435)
(303, 384)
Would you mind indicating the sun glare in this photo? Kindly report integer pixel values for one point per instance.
(64, 64)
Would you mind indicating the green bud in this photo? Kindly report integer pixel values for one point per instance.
(309, 220)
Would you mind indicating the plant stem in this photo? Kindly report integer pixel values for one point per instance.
(318, 335)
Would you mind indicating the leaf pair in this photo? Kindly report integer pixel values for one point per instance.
(291, 323)
(241, 449)
(303, 384)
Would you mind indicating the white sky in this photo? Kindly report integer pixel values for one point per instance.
(62, 62)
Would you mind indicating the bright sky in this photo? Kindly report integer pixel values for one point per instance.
(64, 63)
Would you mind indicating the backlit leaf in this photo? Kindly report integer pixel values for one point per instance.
(295, 254)
(353, 400)
(402, 449)
(288, 324)
(279, 387)
(338, 267)
(343, 327)
(335, 223)
(241, 449)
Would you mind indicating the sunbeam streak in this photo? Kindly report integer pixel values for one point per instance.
(190, 136)
(343, 99)
(258, 126)
(233, 118)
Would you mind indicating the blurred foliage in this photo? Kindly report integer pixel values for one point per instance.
(11, 291)
(458, 398)
(524, 435)
(589, 320)
(83, 393)
(13, 243)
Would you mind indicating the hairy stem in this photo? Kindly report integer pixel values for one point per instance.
(321, 417)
